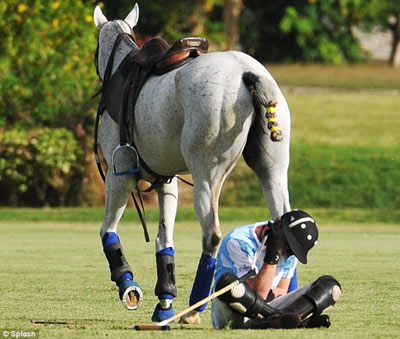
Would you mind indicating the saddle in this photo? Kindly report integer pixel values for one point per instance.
(155, 57)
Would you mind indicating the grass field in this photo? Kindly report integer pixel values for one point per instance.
(53, 268)
(342, 78)
(56, 271)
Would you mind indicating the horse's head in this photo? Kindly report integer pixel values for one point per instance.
(109, 33)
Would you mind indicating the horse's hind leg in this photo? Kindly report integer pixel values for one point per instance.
(210, 159)
(270, 161)
(117, 193)
(165, 288)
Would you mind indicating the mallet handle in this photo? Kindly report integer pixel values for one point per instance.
(210, 297)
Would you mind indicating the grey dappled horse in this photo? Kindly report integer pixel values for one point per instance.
(199, 119)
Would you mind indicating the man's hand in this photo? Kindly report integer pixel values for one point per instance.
(275, 242)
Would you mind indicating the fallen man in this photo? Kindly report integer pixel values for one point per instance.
(262, 301)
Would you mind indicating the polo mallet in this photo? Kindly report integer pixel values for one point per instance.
(163, 325)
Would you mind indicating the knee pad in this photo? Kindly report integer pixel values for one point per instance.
(324, 293)
(313, 298)
(242, 299)
(165, 287)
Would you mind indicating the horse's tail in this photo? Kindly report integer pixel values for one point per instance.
(264, 95)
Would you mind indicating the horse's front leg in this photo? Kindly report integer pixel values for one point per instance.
(165, 288)
(118, 189)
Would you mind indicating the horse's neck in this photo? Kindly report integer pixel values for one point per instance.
(123, 49)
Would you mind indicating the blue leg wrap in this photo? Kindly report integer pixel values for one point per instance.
(166, 251)
(125, 284)
(161, 314)
(202, 282)
(293, 282)
(109, 238)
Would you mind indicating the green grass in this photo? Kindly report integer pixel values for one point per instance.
(336, 177)
(345, 77)
(350, 119)
(53, 271)
(186, 214)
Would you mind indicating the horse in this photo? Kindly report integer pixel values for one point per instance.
(198, 118)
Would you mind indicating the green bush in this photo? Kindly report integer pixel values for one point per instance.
(38, 167)
(46, 110)
(328, 176)
(46, 61)
(323, 30)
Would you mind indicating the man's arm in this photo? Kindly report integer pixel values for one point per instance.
(262, 282)
(281, 288)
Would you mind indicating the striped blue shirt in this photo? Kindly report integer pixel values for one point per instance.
(237, 252)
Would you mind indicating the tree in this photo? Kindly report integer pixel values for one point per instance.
(46, 62)
(232, 10)
(384, 15)
(260, 33)
(323, 29)
(173, 19)
(47, 79)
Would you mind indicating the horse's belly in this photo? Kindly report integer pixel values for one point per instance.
(158, 126)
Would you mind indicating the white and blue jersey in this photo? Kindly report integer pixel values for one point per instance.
(237, 252)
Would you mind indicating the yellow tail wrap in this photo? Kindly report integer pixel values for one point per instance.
(276, 133)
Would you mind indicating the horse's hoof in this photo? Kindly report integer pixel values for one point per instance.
(191, 318)
(131, 294)
(161, 314)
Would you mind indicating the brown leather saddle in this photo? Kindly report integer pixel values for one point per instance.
(154, 58)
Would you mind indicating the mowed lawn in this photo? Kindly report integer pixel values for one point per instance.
(56, 272)
(53, 271)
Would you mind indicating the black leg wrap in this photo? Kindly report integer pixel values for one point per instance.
(117, 261)
(242, 299)
(165, 276)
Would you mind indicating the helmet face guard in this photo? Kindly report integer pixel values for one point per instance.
(301, 233)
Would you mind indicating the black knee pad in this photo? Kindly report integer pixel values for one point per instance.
(117, 261)
(311, 299)
(242, 299)
(324, 292)
(165, 276)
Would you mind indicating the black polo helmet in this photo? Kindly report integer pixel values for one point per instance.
(300, 231)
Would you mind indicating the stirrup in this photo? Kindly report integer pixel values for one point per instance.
(127, 172)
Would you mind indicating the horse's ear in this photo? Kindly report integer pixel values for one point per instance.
(99, 18)
(133, 16)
